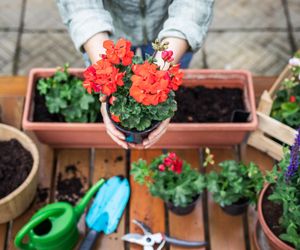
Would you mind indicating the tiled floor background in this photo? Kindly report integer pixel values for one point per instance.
(258, 35)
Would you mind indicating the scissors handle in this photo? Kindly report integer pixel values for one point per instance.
(184, 243)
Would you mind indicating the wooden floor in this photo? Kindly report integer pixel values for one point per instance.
(207, 222)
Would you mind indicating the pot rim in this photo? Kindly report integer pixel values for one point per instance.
(35, 155)
(264, 225)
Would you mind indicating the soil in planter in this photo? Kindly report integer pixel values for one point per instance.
(15, 165)
(70, 188)
(201, 104)
(41, 113)
(272, 213)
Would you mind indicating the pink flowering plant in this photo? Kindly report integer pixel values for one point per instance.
(169, 178)
(286, 106)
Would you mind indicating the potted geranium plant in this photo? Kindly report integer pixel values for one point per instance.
(279, 202)
(140, 94)
(171, 179)
(235, 186)
(286, 107)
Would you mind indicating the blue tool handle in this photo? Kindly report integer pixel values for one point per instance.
(89, 240)
(184, 243)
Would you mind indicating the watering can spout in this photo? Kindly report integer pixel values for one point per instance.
(80, 207)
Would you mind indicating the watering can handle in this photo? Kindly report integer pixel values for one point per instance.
(29, 226)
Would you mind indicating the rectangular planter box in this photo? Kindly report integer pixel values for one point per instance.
(178, 135)
(271, 133)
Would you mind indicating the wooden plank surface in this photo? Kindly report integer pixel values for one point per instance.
(194, 229)
(11, 110)
(143, 206)
(13, 85)
(3, 228)
(72, 167)
(226, 232)
(108, 163)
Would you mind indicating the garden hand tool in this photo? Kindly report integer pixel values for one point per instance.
(148, 240)
(54, 227)
(107, 209)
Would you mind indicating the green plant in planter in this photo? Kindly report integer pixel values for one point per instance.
(286, 106)
(65, 95)
(235, 182)
(169, 178)
(285, 180)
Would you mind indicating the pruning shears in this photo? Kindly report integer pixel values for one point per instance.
(149, 239)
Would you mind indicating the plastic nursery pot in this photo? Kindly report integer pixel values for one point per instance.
(274, 242)
(182, 210)
(236, 208)
(132, 136)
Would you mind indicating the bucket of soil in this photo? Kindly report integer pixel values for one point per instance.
(132, 136)
(269, 214)
(18, 172)
(182, 210)
(236, 208)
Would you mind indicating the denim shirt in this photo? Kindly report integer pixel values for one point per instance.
(140, 21)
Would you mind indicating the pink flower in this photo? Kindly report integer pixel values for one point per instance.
(161, 167)
(167, 55)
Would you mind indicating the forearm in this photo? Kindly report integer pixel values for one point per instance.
(94, 46)
(178, 46)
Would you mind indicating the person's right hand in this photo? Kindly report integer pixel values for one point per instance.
(111, 130)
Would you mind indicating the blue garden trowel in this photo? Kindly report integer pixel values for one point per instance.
(106, 210)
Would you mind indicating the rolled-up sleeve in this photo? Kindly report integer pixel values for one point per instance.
(84, 18)
(189, 20)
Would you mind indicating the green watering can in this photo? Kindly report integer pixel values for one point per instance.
(54, 227)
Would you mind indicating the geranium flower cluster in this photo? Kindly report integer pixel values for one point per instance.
(150, 85)
(139, 92)
(171, 162)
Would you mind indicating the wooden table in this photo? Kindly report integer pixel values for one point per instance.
(207, 222)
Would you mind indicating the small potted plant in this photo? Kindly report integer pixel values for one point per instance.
(140, 94)
(235, 186)
(279, 202)
(171, 179)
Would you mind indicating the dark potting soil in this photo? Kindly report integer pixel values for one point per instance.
(272, 213)
(71, 188)
(195, 105)
(201, 104)
(41, 113)
(15, 165)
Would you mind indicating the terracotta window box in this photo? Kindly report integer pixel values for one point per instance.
(178, 135)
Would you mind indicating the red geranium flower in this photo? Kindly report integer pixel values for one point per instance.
(115, 118)
(103, 77)
(292, 98)
(149, 85)
(176, 77)
(173, 162)
(118, 52)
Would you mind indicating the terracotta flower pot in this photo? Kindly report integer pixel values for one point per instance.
(274, 242)
(179, 135)
(15, 203)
